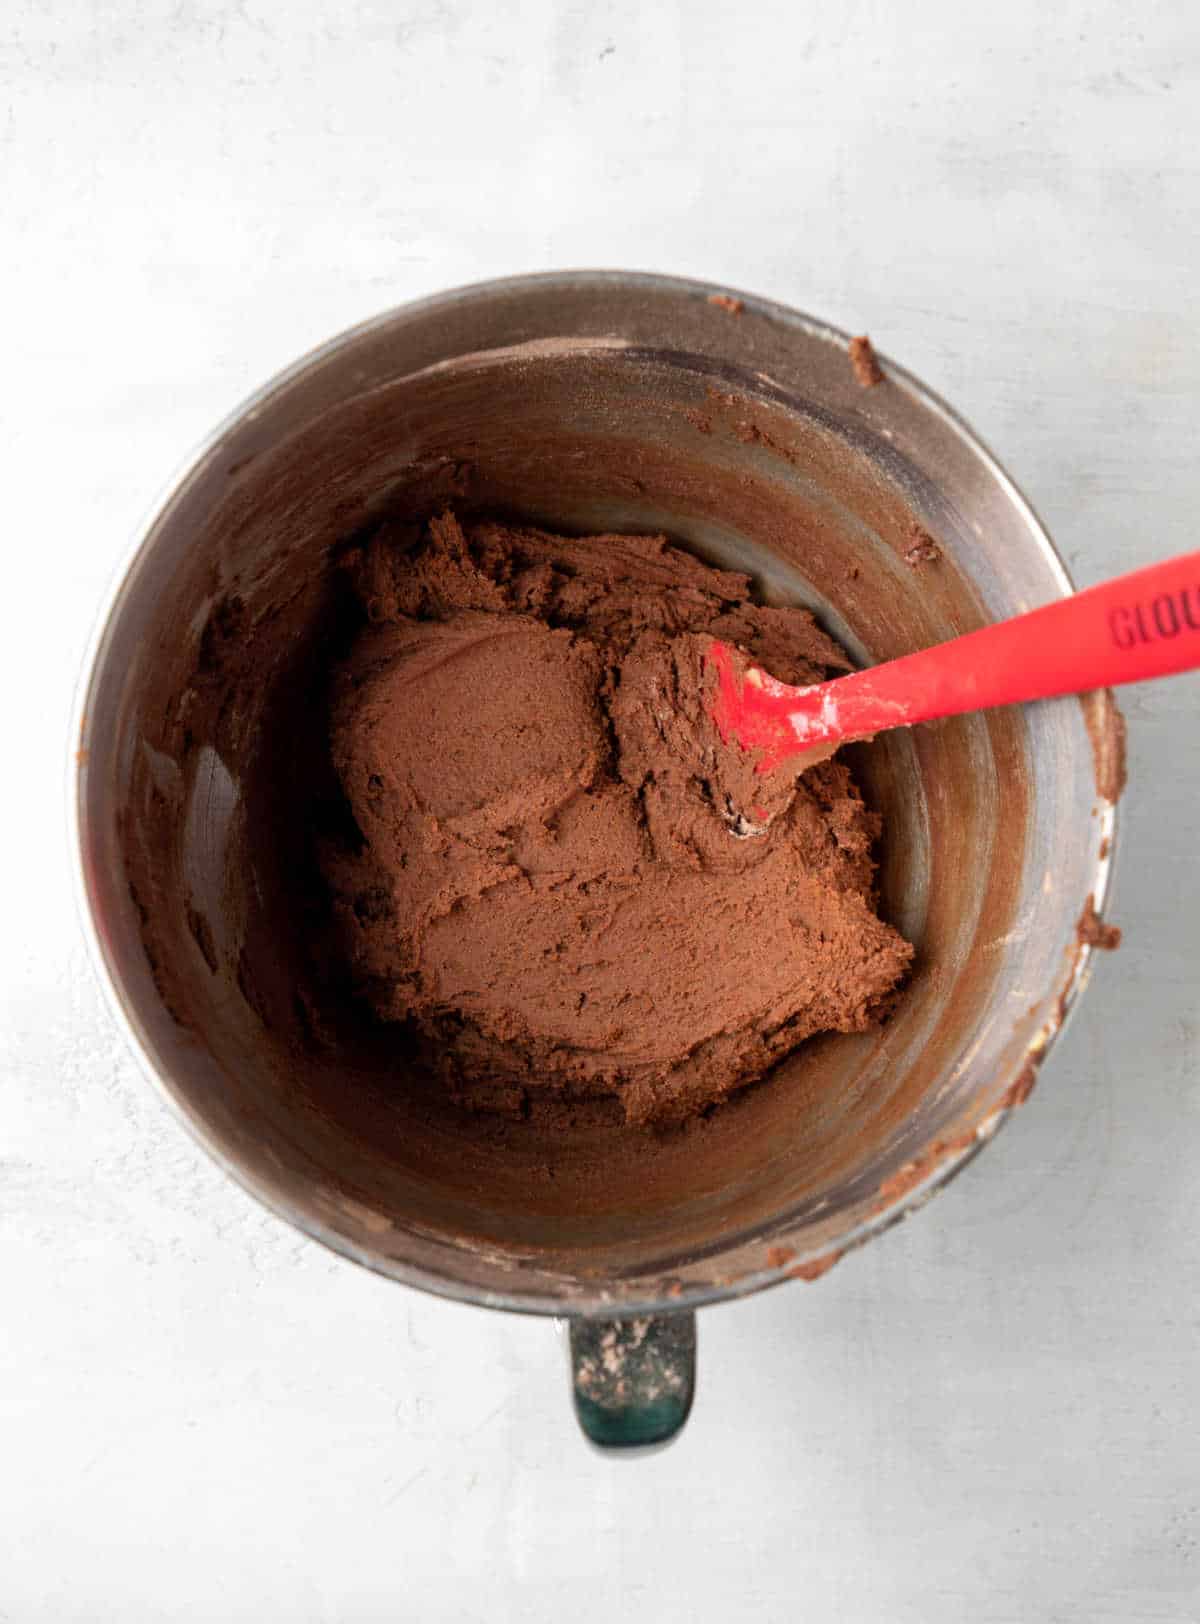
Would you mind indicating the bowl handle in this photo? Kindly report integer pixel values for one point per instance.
(633, 1379)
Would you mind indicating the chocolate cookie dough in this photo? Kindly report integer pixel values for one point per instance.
(550, 888)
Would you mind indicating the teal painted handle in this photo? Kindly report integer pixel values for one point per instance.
(633, 1380)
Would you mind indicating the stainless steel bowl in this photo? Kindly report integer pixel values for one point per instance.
(598, 401)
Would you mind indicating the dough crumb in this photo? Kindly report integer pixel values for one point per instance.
(865, 362)
(923, 548)
(1091, 930)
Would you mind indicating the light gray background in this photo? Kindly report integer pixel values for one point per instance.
(991, 1412)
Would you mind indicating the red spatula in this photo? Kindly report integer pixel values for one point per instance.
(1139, 626)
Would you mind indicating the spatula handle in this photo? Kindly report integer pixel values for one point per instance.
(1140, 626)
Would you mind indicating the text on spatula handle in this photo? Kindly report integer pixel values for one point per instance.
(1167, 615)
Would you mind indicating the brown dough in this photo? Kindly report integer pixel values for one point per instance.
(865, 362)
(549, 889)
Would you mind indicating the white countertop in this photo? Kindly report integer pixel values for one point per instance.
(988, 1414)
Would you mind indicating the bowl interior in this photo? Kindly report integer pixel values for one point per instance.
(745, 438)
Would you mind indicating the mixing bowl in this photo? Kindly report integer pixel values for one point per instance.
(585, 402)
